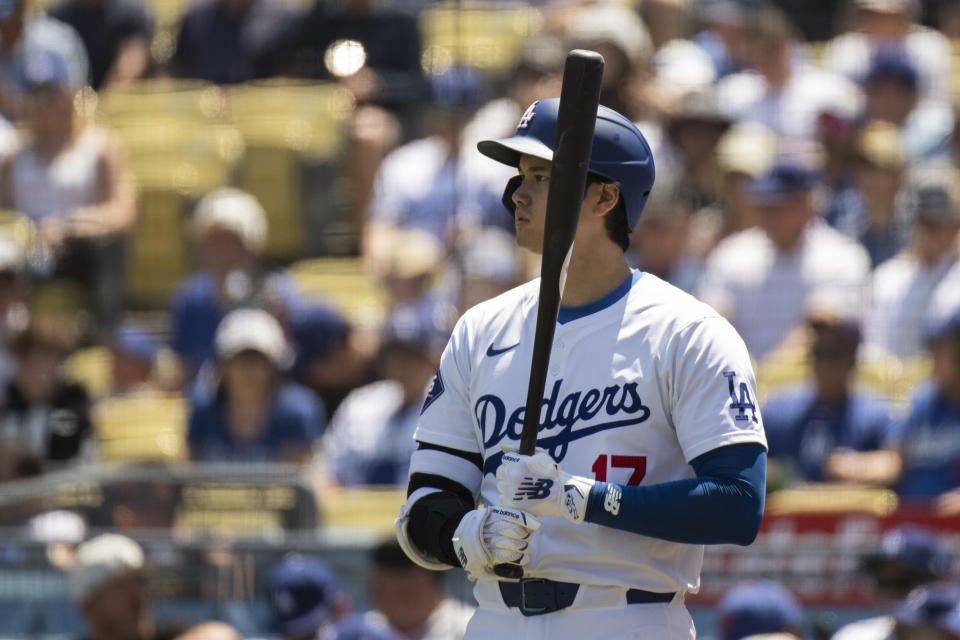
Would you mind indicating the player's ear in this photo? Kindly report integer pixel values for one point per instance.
(607, 197)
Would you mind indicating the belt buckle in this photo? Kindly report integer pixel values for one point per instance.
(524, 609)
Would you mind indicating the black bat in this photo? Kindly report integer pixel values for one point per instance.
(579, 100)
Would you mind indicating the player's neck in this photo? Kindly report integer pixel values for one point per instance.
(593, 274)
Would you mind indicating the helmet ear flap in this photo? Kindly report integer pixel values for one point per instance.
(512, 185)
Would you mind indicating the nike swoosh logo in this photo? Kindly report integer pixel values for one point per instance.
(496, 352)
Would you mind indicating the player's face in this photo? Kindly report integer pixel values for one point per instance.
(531, 201)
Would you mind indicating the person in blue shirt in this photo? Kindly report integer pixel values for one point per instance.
(806, 426)
(230, 228)
(929, 439)
(249, 413)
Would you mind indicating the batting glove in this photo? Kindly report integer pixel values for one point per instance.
(538, 486)
(490, 536)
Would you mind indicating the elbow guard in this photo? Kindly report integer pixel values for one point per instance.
(426, 526)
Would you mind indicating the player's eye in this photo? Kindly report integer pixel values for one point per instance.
(541, 178)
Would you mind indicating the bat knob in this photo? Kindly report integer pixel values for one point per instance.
(508, 571)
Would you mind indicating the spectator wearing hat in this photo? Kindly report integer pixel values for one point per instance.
(370, 440)
(44, 418)
(759, 607)
(761, 278)
(931, 612)
(436, 184)
(907, 557)
(251, 413)
(230, 231)
(904, 285)
(779, 91)
(411, 600)
(878, 217)
(133, 352)
(305, 599)
(885, 23)
(723, 36)
(108, 584)
(27, 33)
(73, 181)
(694, 132)
(807, 425)
(891, 94)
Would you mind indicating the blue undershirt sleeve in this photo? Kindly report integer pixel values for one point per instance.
(723, 504)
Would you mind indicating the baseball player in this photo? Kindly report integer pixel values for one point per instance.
(651, 441)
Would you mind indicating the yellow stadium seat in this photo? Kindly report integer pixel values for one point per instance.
(141, 428)
(283, 127)
(345, 283)
(362, 508)
(489, 36)
(90, 367)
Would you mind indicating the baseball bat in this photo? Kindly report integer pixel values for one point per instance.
(576, 117)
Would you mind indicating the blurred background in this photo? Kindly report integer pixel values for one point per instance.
(235, 236)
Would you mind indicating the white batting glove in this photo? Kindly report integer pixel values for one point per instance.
(538, 486)
(491, 536)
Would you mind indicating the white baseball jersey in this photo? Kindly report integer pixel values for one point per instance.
(640, 383)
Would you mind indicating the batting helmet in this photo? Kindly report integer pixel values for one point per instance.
(620, 152)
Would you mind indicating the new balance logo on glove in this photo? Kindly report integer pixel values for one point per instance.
(531, 489)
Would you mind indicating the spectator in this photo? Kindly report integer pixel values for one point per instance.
(886, 23)
(44, 418)
(133, 352)
(891, 95)
(931, 612)
(116, 35)
(491, 266)
(305, 599)
(332, 358)
(694, 133)
(761, 278)
(929, 439)
(109, 586)
(371, 436)
(223, 41)
(879, 215)
(435, 184)
(230, 228)
(907, 557)
(411, 600)
(73, 181)
(780, 91)
(805, 427)
(903, 286)
(660, 244)
(724, 34)
(27, 34)
(617, 33)
(373, 51)
(251, 413)
(758, 607)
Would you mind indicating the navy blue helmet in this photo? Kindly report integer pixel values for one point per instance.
(620, 152)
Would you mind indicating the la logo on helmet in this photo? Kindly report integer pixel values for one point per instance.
(527, 116)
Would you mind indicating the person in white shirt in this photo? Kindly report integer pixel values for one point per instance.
(762, 278)
(904, 285)
(780, 91)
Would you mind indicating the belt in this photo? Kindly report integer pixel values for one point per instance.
(536, 596)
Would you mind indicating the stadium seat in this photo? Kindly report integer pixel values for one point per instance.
(486, 35)
(363, 508)
(344, 283)
(141, 429)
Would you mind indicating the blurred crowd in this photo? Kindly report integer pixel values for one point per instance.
(807, 188)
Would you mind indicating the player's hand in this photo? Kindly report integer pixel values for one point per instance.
(538, 486)
(491, 536)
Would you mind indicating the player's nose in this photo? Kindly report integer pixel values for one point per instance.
(521, 195)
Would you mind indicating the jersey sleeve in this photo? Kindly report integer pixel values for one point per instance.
(446, 418)
(713, 390)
